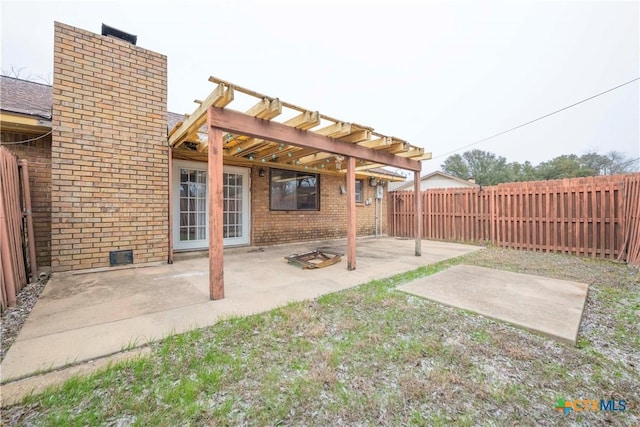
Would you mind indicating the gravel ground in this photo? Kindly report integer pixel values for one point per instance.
(13, 318)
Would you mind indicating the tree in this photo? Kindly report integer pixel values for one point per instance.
(614, 162)
(565, 166)
(523, 172)
(485, 167)
(456, 166)
(489, 169)
(596, 162)
(18, 73)
(619, 163)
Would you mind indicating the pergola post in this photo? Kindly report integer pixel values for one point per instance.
(351, 213)
(214, 184)
(418, 209)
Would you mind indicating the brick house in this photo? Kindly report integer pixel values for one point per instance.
(26, 115)
(112, 170)
(433, 180)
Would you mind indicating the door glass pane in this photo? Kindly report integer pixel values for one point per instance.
(193, 204)
(232, 195)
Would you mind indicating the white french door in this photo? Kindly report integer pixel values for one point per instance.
(191, 205)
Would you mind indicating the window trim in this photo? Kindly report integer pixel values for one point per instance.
(296, 172)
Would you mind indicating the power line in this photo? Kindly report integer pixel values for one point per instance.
(26, 140)
(535, 120)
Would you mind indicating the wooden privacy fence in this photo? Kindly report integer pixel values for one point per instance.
(593, 216)
(14, 200)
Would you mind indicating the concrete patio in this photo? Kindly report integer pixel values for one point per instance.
(81, 317)
(548, 306)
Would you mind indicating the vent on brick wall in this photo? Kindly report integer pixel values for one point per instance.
(120, 258)
(114, 32)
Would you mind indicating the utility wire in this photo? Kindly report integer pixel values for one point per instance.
(26, 140)
(535, 120)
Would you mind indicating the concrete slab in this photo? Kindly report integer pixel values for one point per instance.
(549, 306)
(86, 316)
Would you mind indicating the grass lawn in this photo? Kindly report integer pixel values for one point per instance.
(375, 355)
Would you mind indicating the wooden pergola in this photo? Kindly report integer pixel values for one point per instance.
(308, 141)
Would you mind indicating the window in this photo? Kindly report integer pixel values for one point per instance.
(358, 191)
(294, 191)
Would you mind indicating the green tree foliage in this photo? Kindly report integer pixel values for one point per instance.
(489, 169)
(565, 166)
(523, 171)
(485, 167)
(456, 166)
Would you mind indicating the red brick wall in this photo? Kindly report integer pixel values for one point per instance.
(109, 151)
(38, 154)
(273, 227)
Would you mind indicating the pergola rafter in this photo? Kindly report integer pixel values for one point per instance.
(243, 149)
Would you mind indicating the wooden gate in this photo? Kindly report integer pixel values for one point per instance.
(14, 200)
(631, 225)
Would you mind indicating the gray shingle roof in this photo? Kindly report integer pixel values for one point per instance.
(173, 119)
(25, 97)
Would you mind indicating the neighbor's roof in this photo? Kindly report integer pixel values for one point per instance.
(409, 185)
(190, 140)
(25, 97)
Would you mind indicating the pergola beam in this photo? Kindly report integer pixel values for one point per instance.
(417, 155)
(239, 123)
(221, 96)
(374, 143)
(304, 121)
(335, 130)
(357, 136)
(266, 109)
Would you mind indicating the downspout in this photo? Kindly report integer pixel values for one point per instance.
(376, 213)
(170, 192)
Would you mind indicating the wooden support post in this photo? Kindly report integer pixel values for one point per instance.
(170, 201)
(214, 184)
(351, 213)
(418, 209)
(26, 190)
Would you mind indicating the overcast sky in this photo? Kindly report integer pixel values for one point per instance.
(440, 75)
